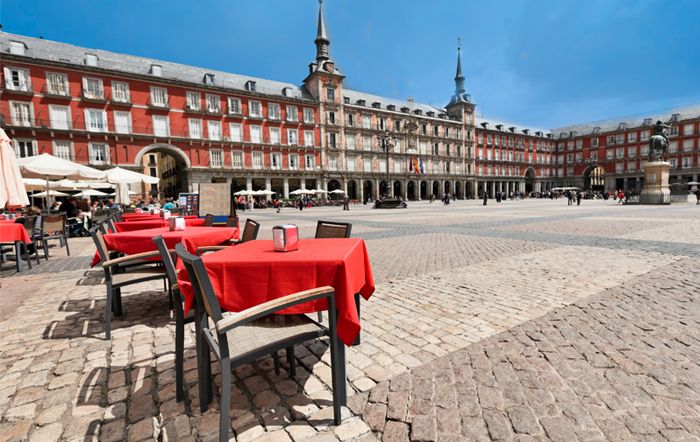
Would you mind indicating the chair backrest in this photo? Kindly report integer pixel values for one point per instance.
(330, 229)
(201, 285)
(232, 221)
(250, 231)
(111, 228)
(208, 220)
(52, 224)
(30, 224)
(99, 241)
(167, 259)
(100, 215)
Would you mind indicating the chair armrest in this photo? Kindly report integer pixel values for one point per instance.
(273, 306)
(128, 258)
(233, 242)
(205, 249)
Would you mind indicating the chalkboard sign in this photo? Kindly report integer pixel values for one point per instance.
(214, 198)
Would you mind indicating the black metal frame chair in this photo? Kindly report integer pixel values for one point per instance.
(250, 232)
(53, 227)
(332, 229)
(245, 336)
(208, 220)
(121, 272)
(30, 223)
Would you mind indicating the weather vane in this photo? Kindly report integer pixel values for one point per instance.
(459, 39)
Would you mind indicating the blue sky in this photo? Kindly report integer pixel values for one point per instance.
(539, 63)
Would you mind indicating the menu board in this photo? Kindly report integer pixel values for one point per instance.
(189, 203)
(214, 198)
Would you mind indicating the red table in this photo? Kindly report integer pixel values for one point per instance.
(16, 234)
(252, 273)
(129, 217)
(140, 241)
(129, 226)
(7, 221)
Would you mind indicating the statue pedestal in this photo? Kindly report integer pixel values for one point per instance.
(656, 190)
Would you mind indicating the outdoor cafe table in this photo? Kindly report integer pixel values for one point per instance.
(252, 273)
(131, 217)
(16, 234)
(130, 226)
(140, 241)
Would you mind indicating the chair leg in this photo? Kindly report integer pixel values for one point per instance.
(276, 360)
(108, 312)
(118, 311)
(36, 252)
(225, 399)
(65, 241)
(18, 255)
(179, 354)
(291, 361)
(29, 257)
(46, 249)
(320, 316)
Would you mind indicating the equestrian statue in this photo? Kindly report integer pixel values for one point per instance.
(658, 143)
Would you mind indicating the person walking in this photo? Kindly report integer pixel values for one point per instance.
(346, 203)
(579, 195)
(486, 198)
(301, 204)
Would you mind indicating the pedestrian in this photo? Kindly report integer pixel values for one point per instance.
(346, 203)
(301, 204)
(578, 198)
(697, 197)
(486, 198)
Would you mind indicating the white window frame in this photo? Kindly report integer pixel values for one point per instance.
(54, 146)
(214, 130)
(293, 161)
(123, 95)
(90, 125)
(26, 143)
(309, 161)
(213, 102)
(350, 163)
(23, 119)
(217, 154)
(255, 129)
(308, 112)
(254, 109)
(239, 128)
(292, 137)
(292, 113)
(63, 88)
(24, 79)
(258, 160)
(275, 135)
(274, 111)
(92, 157)
(167, 125)
(193, 100)
(234, 109)
(309, 138)
(237, 159)
(195, 123)
(87, 93)
(689, 129)
(117, 128)
(159, 97)
(275, 157)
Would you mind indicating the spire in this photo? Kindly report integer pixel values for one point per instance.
(322, 41)
(459, 78)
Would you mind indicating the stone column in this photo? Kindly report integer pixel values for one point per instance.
(507, 189)
(377, 191)
(285, 184)
(248, 183)
(302, 181)
(268, 186)
(361, 190)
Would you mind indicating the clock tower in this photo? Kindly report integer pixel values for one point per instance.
(325, 84)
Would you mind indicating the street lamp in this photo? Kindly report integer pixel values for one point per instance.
(386, 142)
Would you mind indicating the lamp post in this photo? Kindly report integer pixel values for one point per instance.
(386, 142)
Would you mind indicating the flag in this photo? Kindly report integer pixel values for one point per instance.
(410, 165)
(422, 167)
(416, 167)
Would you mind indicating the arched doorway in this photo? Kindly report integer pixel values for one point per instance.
(411, 191)
(397, 189)
(333, 185)
(529, 180)
(352, 190)
(383, 188)
(167, 162)
(436, 189)
(459, 192)
(423, 190)
(367, 190)
(448, 188)
(594, 179)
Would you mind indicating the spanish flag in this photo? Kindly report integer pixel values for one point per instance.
(416, 167)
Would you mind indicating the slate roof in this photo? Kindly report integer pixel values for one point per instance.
(492, 123)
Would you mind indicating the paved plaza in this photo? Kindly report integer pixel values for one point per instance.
(526, 320)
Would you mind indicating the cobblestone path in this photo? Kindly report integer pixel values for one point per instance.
(527, 320)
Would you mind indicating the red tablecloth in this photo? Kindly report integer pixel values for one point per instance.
(11, 232)
(153, 224)
(251, 273)
(140, 241)
(129, 217)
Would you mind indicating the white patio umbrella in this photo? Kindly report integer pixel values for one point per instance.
(337, 191)
(123, 177)
(79, 185)
(244, 193)
(318, 191)
(300, 192)
(49, 193)
(90, 192)
(37, 184)
(12, 190)
(265, 192)
(50, 167)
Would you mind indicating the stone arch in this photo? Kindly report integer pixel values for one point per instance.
(530, 176)
(459, 192)
(411, 193)
(594, 178)
(424, 190)
(165, 148)
(447, 188)
(352, 190)
(334, 185)
(177, 175)
(436, 189)
(397, 189)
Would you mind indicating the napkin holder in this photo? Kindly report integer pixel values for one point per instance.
(165, 214)
(138, 210)
(285, 238)
(177, 223)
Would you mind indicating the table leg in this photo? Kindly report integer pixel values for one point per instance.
(342, 372)
(18, 256)
(357, 306)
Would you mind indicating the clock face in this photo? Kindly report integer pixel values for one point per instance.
(328, 67)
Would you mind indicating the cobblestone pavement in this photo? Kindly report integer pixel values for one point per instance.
(526, 320)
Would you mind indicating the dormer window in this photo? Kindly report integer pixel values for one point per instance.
(18, 48)
(647, 122)
(361, 102)
(209, 79)
(485, 125)
(405, 109)
(391, 107)
(512, 129)
(596, 130)
(90, 60)
(573, 133)
(430, 114)
(526, 131)
(156, 70)
(250, 85)
(622, 126)
(346, 100)
(675, 118)
(418, 112)
(376, 105)
(286, 92)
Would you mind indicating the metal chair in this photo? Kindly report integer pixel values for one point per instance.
(250, 232)
(53, 227)
(331, 229)
(208, 220)
(121, 272)
(245, 336)
(30, 224)
(232, 221)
